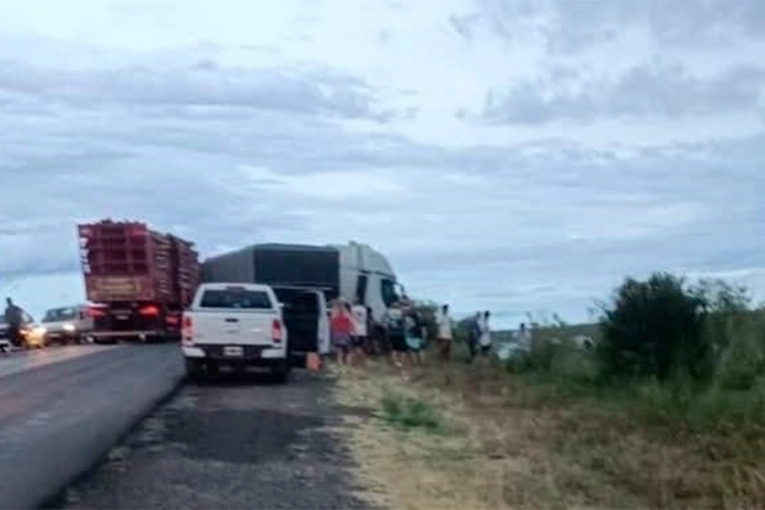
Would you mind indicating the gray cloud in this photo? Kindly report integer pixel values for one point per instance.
(201, 83)
(570, 26)
(658, 90)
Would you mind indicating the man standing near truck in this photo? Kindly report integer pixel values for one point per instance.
(445, 326)
(14, 318)
(360, 331)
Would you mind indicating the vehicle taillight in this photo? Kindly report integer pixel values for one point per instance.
(187, 332)
(149, 311)
(96, 312)
(277, 331)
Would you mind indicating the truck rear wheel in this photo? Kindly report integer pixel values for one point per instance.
(193, 369)
(281, 372)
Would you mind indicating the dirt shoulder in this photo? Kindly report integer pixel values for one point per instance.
(460, 436)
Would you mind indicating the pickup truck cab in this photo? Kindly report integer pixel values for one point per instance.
(239, 325)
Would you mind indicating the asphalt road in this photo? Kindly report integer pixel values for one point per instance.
(242, 443)
(63, 409)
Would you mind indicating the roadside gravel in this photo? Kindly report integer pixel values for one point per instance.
(230, 444)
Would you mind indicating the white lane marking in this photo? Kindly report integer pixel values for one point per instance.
(22, 361)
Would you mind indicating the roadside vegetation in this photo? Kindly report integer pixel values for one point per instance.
(664, 408)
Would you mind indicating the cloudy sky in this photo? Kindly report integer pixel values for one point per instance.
(516, 156)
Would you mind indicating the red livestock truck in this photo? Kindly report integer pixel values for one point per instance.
(138, 281)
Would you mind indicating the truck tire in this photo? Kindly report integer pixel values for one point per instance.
(193, 370)
(281, 372)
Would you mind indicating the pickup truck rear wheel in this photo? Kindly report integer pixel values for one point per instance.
(281, 372)
(193, 369)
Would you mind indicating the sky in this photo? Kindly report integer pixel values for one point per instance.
(516, 156)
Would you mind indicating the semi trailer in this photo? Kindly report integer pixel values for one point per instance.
(137, 280)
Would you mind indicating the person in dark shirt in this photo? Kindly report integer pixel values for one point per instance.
(14, 318)
(395, 330)
(474, 334)
(415, 338)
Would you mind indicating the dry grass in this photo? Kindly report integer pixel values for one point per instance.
(508, 444)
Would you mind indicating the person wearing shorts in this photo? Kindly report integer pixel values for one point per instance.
(484, 340)
(445, 332)
(394, 325)
(414, 336)
(341, 329)
(360, 331)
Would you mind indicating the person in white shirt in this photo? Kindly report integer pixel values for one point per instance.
(484, 340)
(445, 332)
(360, 330)
(523, 337)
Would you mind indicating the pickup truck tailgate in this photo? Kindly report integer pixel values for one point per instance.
(234, 328)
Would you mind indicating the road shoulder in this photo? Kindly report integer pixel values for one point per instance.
(239, 443)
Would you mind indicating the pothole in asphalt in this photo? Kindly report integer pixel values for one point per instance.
(236, 436)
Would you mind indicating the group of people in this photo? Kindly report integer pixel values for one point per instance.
(402, 332)
(478, 334)
(355, 333)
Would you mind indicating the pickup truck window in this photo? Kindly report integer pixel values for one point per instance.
(236, 299)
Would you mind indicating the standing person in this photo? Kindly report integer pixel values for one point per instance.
(524, 337)
(485, 331)
(414, 337)
(372, 342)
(474, 334)
(359, 312)
(395, 330)
(445, 332)
(14, 317)
(341, 328)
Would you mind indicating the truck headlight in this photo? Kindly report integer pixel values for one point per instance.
(69, 328)
(39, 330)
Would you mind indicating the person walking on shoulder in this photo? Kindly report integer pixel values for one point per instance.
(474, 335)
(484, 340)
(360, 316)
(414, 336)
(341, 329)
(395, 330)
(445, 332)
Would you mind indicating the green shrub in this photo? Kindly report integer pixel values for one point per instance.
(559, 357)
(655, 328)
(741, 362)
(699, 409)
(410, 413)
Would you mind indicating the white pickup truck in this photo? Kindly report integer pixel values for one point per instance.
(235, 325)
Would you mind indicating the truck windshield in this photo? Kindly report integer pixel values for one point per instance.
(236, 298)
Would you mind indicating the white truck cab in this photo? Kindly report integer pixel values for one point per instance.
(239, 325)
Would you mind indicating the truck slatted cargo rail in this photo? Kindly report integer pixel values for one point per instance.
(142, 279)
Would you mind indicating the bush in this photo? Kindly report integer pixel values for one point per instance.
(655, 328)
(410, 413)
(742, 361)
(555, 350)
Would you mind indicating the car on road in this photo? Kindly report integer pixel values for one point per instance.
(235, 325)
(67, 325)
